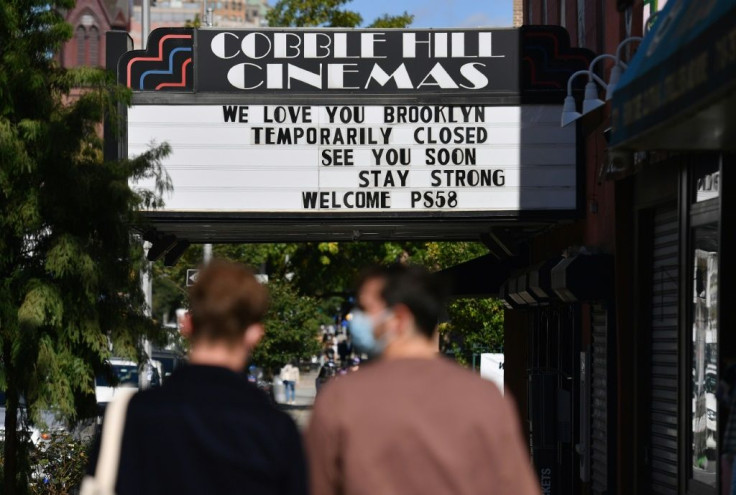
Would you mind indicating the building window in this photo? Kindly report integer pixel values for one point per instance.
(545, 12)
(79, 38)
(87, 37)
(93, 38)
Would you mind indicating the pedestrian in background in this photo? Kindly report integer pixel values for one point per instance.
(412, 421)
(326, 373)
(207, 429)
(290, 376)
(343, 350)
(354, 364)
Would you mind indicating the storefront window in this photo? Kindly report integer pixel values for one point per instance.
(706, 179)
(705, 354)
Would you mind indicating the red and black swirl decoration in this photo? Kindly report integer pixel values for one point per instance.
(547, 62)
(165, 65)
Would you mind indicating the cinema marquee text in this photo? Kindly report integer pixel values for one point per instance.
(368, 60)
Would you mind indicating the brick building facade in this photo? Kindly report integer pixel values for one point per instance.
(90, 20)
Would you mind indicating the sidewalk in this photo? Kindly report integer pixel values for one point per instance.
(305, 394)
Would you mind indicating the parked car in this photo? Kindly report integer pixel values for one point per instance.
(170, 361)
(125, 375)
(257, 377)
(307, 365)
(50, 423)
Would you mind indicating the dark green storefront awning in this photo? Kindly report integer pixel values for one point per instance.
(679, 91)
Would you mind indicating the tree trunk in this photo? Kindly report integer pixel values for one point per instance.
(10, 467)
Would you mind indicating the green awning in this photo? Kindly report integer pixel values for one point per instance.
(679, 91)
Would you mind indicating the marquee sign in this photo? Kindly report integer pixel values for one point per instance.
(343, 159)
(319, 61)
(340, 124)
(343, 61)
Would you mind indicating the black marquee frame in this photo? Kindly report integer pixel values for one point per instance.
(546, 61)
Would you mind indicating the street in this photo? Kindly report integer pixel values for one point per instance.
(305, 394)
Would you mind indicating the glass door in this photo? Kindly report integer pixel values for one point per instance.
(705, 354)
(703, 324)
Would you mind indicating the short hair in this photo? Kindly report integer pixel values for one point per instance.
(422, 292)
(225, 300)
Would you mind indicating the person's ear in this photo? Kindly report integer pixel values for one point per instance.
(436, 338)
(404, 319)
(185, 325)
(253, 335)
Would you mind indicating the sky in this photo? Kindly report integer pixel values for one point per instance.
(440, 13)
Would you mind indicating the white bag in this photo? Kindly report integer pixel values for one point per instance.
(108, 461)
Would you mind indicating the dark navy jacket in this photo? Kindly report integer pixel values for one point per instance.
(207, 430)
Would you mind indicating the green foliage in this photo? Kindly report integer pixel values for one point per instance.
(69, 267)
(333, 267)
(169, 283)
(305, 13)
(392, 21)
(326, 13)
(292, 323)
(195, 23)
(59, 465)
(329, 270)
(474, 324)
(292, 328)
(25, 450)
(441, 255)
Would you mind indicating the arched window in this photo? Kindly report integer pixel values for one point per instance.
(79, 38)
(94, 46)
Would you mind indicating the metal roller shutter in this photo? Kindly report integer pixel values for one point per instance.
(663, 452)
(599, 448)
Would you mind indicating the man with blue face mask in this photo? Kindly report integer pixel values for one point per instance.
(412, 421)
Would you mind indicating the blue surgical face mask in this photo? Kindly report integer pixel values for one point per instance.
(361, 333)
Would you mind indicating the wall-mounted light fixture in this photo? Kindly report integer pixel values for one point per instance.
(591, 101)
(605, 56)
(618, 67)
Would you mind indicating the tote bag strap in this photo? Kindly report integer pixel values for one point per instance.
(108, 461)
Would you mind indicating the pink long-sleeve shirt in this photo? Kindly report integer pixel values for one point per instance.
(416, 426)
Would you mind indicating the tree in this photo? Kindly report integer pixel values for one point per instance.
(69, 266)
(392, 21)
(169, 283)
(195, 23)
(332, 267)
(474, 324)
(293, 321)
(329, 271)
(327, 13)
(292, 328)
